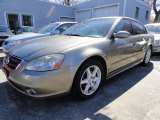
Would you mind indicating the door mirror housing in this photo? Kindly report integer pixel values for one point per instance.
(121, 34)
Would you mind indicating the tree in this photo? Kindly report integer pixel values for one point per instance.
(69, 2)
(156, 11)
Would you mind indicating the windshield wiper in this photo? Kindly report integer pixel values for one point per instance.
(74, 35)
(95, 36)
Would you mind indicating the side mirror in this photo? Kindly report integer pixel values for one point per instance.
(121, 34)
(55, 32)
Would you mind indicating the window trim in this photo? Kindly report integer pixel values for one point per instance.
(128, 21)
(145, 30)
(7, 19)
(22, 22)
(137, 12)
(19, 18)
(147, 15)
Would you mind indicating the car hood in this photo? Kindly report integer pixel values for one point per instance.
(26, 36)
(48, 45)
(5, 34)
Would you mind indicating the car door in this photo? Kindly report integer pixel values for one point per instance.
(140, 38)
(122, 49)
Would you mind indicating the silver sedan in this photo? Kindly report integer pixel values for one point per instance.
(79, 60)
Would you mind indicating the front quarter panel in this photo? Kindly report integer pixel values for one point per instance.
(76, 55)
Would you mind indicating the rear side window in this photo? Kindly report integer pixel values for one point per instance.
(124, 25)
(64, 27)
(138, 28)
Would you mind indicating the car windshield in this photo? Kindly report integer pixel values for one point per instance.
(153, 28)
(3, 29)
(91, 28)
(49, 28)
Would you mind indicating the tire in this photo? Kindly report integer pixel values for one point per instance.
(147, 56)
(88, 79)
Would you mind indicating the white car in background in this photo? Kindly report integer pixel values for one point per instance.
(5, 32)
(155, 30)
(49, 30)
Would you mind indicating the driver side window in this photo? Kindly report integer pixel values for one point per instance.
(124, 25)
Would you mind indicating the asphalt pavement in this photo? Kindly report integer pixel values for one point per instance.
(131, 95)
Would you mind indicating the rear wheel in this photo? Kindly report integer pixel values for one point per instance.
(147, 56)
(88, 79)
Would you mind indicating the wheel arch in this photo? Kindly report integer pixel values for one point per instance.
(96, 57)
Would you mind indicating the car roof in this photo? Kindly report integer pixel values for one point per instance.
(116, 17)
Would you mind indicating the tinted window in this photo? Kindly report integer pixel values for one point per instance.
(137, 12)
(138, 28)
(147, 15)
(124, 25)
(27, 20)
(49, 28)
(91, 28)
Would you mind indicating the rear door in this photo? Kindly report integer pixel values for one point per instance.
(122, 49)
(140, 38)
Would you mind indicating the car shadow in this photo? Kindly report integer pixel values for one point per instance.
(14, 105)
(1, 61)
(156, 57)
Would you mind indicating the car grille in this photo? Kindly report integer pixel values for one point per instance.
(3, 37)
(12, 62)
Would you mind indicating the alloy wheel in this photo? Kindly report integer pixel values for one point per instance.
(90, 80)
(148, 56)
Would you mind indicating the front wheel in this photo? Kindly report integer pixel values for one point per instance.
(147, 56)
(88, 79)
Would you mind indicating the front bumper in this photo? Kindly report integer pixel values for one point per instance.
(41, 84)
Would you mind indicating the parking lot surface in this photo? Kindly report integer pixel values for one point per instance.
(131, 95)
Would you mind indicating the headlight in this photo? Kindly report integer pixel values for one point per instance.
(45, 63)
(13, 43)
